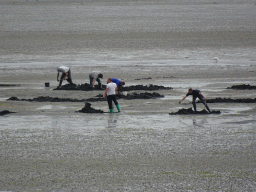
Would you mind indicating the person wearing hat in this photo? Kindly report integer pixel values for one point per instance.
(196, 94)
(110, 92)
(118, 83)
(95, 76)
(66, 72)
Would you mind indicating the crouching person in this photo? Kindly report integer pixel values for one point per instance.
(110, 92)
(66, 73)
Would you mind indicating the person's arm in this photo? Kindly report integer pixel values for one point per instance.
(58, 77)
(105, 93)
(202, 95)
(116, 90)
(66, 74)
(183, 98)
(93, 82)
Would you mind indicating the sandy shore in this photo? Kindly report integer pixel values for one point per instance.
(50, 147)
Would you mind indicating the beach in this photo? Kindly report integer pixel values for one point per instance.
(49, 146)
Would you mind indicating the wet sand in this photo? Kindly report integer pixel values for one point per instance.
(47, 146)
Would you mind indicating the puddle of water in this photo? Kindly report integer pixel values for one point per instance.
(3, 99)
(170, 97)
(48, 107)
(235, 109)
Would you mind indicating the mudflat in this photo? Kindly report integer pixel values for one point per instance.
(50, 146)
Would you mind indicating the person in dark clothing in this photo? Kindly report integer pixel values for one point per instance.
(66, 72)
(196, 94)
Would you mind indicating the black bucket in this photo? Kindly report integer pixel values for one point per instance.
(47, 84)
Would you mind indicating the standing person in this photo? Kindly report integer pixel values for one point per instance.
(66, 72)
(118, 83)
(111, 95)
(95, 76)
(196, 93)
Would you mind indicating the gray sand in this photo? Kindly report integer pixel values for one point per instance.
(50, 147)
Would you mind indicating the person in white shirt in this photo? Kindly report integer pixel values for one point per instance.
(95, 76)
(66, 72)
(110, 92)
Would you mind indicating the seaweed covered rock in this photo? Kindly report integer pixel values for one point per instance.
(242, 87)
(190, 111)
(88, 109)
(5, 112)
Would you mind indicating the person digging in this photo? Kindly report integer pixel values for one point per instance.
(196, 94)
(66, 72)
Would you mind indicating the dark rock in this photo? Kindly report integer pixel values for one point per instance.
(88, 109)
(190, 111)
(242, 87)
(5, 112)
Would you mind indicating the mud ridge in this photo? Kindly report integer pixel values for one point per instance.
(5, 112)
(9, 85)
(190, 111)
(47, 99)
(242, 87)
(145, 87)
(80, 87)
(86, 87)
(229, 100)
(88, 109)
(95, 99)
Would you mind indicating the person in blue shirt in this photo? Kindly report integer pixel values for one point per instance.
(196, 94)
(118, 83)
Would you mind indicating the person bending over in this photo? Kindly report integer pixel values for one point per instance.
(66, 72)
(118, 83)
(95, 76)
(110, 92)
(196, 94)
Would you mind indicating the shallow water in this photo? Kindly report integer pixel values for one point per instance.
(50, 147)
